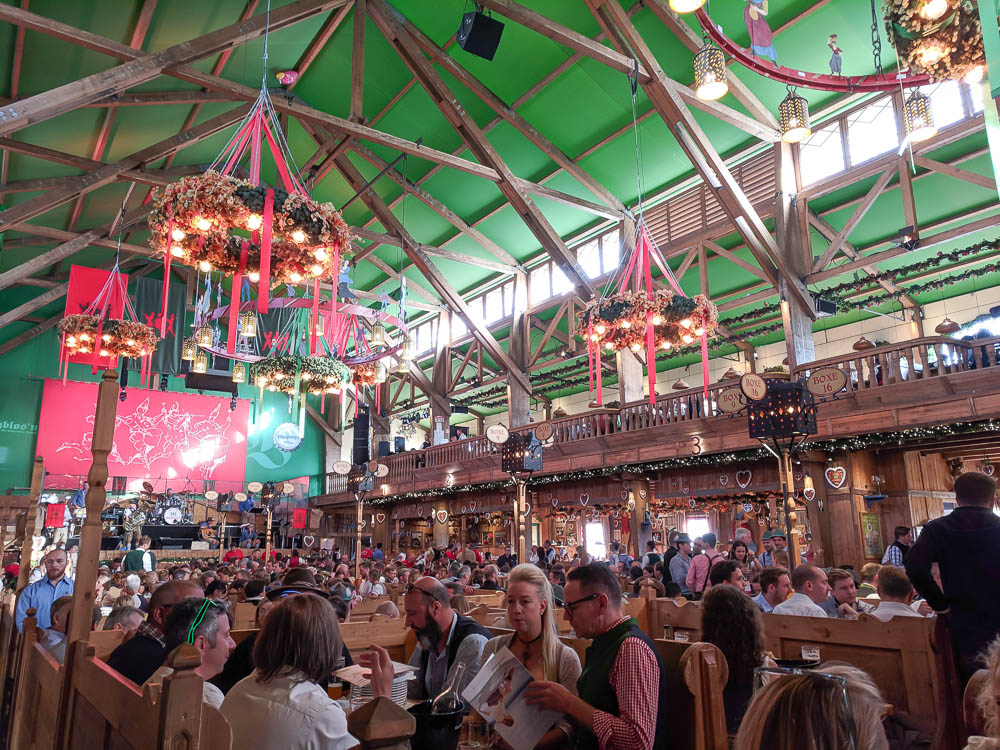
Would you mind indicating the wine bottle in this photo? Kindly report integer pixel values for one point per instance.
(449, 701)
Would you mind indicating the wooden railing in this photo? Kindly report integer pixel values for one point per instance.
(918, 359)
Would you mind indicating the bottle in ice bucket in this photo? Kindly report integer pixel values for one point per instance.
(449, 700)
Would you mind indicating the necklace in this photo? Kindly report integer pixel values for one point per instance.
(527, 644)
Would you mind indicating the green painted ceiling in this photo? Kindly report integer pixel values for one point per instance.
(583, 106)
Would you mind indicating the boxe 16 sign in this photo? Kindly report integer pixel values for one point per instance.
(826, 381)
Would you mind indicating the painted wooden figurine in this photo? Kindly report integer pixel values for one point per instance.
(835, 60)
(761, 39)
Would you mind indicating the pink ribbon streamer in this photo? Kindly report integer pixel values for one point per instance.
(264, 288)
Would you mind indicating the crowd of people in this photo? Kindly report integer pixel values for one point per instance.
(272, 686)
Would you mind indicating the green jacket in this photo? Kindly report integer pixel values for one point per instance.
(133, 560)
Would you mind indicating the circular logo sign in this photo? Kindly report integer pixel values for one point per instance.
(288, 488)
(382, 471)
(342, 467)
(497, 434)
(753, 386)
(286, 437)
(543, 431)
(240, 497)
(730, 400)
(825, 381)
(211, 495)
(255, 486)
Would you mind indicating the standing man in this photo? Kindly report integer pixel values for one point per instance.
(766, 557)
(964, 546)
(680, 563)
(378, 554)
(550, 553)
(775, 587)
(896, 552)
(140, 559)
(671, 550)
(811, 589)
(701, 566)
(780, 541)
(444, 639)
(42, 593)
(622, 690)
(652, 556)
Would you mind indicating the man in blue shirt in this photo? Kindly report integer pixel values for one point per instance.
(775, 587)
(378, 554)
(41, 594)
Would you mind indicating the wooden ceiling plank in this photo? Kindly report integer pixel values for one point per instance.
(15, 83)
(44, 106)
(318, 42)
(449, 106)
(32, 333)
(957, 172)
(15, 216)
(437, 280)
(859, 213)
(358, 62)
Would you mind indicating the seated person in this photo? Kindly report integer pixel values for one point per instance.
(282, 704)
(444, 639)
(988, 703)
(138, 657)
(125, 619)
(217, 591)
(869, 577)
(727, 573)
(53, 638)
(775, 587)
(896, 594)
(843, 601)
(205, 625)
(811, 590)
(622, 689)
(491, 580)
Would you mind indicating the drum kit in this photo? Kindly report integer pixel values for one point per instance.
(167, 508)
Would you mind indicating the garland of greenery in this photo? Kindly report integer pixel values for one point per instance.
(316, 375)
(119, 337)
(618, 322)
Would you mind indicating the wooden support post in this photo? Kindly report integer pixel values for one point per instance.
(30, 521)
(102, 442)
(359, 501)
(788, 487)
(637, 535)
(520, 519)
(518, 398)
(267, 537)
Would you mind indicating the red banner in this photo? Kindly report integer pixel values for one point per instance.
(171, 437)
(85, 284)
(55, 515)
(299, 518)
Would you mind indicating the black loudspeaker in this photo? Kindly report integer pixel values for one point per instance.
(457, 409)
(400, 444)
(362, 426)
(208, 382)
(383, 448)
(479, 35)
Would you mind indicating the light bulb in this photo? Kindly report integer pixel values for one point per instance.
(84, 337)
(608, 345)
(656, 320)
(306, 376)
(177, 235)
(601, 330)
(685, 6)
(177, 251)
(262, 381)
(254, 222)
(203, 224)
(253, 276)
(271, 388)
(71, 341)
(699, 331)
(626, 324)
(316, 270)
(594, 337)
(104, 352)
(975, 75)
(205, 266)
(298, 236)
(130, 342)
(686, 323)
(320, 254)
(934, 9)
(296, 278)
(106, 337)
(686, 339)
(665, 345)
(635, 347)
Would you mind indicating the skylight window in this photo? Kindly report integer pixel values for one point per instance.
(822, 154)
(494, 306)
(589, 258)
(872, 131)
(946, 103)
(539, 284)
(560, 282)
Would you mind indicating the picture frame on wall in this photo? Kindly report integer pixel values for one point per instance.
(657, 536)
(871, 535)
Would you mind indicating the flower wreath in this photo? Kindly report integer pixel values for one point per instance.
(118, 338)
(364, 374)
(619, 322)
(317, 375)
(950, 46)
(193, 219)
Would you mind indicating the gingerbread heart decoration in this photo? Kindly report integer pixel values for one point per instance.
(798, 475)
(555, 502)
(380, 517)
(472, 505)
(362, 524)
(988, 469)
(631, 503)
(836, 476)
(743, 478)
(308, 540)
(584, 498)
(809, 493)
(441, 516)
(420, 510)
(723, 479)
(527, 508)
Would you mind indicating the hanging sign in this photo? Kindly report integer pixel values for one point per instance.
(497, 434)
(299, 518)
(753, 386)
(342, 467)
(826, 381)
(55, 514)
(286, 437)
(730, 400)
(543, 431)
(255, 486)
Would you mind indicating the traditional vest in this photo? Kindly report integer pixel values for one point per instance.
(133, 560)
(463, 626)
(594, 685)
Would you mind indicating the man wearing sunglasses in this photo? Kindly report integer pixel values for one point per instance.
(623, 685)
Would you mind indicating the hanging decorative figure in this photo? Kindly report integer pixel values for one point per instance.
(761, 39)
(835, 60)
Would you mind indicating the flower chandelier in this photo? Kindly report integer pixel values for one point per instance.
(941, 38)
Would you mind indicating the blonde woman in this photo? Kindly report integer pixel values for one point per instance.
(988, 702)
(535, 642)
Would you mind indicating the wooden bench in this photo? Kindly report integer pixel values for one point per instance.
(244, 615)
(105, 641)
(390, 633)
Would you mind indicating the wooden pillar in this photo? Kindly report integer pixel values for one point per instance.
(637, 535)
(30, 521)
(441, 375)
(359, 509)
(90, 538)
(519, 398)
(439, 530)
(791, 516)
(267, 537)
(4, 517)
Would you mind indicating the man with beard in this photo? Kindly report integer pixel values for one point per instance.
(444, 639)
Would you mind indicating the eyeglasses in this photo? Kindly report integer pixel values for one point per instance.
(198, 618)
(569, 606)
(761, 675)
(410, 588)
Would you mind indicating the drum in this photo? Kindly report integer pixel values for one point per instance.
(172, 516)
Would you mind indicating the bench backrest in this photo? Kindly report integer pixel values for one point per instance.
(244, 615)
(35, 720)
(105, 641)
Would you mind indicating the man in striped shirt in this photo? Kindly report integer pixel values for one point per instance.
(622, 687)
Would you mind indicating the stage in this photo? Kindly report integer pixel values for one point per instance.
(164, 536)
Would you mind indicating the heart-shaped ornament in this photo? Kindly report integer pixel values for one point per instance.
(798, 475)
(362, 524)
(743, 478)
(420, 510)
(472, 505)
(723, 479)
(584, 498)
(988, 469)
(441, 516)
(809, 493)
(836, 476)
(747, 507)
(555, 502)
(691, 502)
(380, 517)
(527, 508)
(308, 540)
(631, 503)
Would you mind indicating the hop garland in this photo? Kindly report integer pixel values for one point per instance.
(947, 47)
(618, 322)
(200, 213)
(364, 374)
(317, 375)
(118, 338)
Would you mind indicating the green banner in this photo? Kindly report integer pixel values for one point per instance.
(148, 307)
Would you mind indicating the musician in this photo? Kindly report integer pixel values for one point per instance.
(135, 517)
(140, 558)
(206, 533)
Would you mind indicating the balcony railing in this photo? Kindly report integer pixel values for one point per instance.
(880, 367)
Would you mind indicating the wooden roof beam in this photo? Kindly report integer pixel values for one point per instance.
(437, 280)
(142, 176)
(358, 62)
(449, 106)
(859, 213)
(318, 42)
(15, 81)
(67, 97)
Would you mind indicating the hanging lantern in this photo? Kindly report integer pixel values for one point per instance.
(680, 385)
(685, 6)
(731, 374)
(406, 350)
(918, 116)
(189, 349)
(381, 373)
(710, 73)
(402, 366)
(204, 335)
(248, 324)
(201, 363)
(239, 372)
(947, 327)
(793, 114)
(319, 326)
(863, 343)
(377, 338)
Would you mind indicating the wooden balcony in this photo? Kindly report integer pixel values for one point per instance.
(924, 381)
